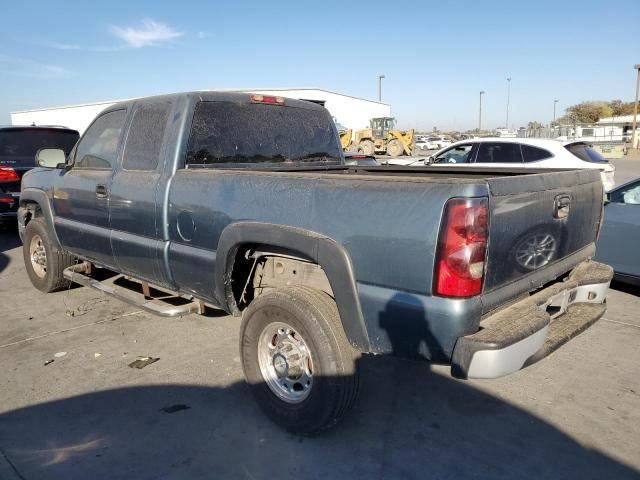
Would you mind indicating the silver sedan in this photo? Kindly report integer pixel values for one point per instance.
(620, 235)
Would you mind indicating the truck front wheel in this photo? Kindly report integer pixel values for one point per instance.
(297, 359)
(44, 263)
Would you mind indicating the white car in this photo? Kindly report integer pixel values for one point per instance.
(441, 141)
(525, 153)
(425, 144)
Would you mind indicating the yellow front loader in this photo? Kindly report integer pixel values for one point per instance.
(382, 137)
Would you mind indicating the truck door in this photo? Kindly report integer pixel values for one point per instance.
(81, 195)
(136, 190)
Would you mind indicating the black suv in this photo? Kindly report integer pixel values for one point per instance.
(18, 149)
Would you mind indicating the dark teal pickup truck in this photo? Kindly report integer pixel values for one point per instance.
(243, 202)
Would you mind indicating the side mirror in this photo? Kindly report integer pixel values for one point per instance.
(50, 157)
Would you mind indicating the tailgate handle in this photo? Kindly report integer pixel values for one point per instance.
(561, 206)
(101, 191)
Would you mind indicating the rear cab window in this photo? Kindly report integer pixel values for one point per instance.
(19, 146)
(246, 135)
(585, 152)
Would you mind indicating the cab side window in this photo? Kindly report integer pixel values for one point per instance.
(144, 142)
(98, 149)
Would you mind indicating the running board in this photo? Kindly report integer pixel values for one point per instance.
(77, 274)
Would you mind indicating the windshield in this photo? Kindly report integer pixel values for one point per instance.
(586, 152)
(220, 135)
(18, 147)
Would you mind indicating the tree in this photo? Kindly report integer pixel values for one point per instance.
(619, 107)
(591, 112)
(534, 125)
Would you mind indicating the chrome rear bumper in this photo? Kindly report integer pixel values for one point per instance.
(530, 329)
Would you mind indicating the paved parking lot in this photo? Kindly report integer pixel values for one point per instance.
(576, 414)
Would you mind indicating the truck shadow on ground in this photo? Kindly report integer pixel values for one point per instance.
(409, 423)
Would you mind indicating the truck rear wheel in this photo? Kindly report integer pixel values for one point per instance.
(367, 147)
(297, 359)
(395, 148)
(44, 263)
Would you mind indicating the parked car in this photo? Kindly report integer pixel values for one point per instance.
(427, 144)
(440, 141)
(18, 149)
(360, 160)
(243, 202)
(620, 233)
(525, 153)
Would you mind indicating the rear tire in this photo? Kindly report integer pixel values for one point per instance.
(43, 262)
(297, 360)
(367, 147)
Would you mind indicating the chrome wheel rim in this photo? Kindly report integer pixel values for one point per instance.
(285, 362)
(536, 251)
(38, 256)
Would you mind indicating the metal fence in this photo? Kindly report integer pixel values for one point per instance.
(586, 133)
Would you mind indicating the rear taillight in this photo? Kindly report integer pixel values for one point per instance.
(8, 175)
(7, 200)
(462, 248)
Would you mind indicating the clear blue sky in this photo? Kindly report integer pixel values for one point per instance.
(436, 56)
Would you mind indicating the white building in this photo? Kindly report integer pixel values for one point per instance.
(351, 112)
(621, 124)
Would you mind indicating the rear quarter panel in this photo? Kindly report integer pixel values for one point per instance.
(388, 227)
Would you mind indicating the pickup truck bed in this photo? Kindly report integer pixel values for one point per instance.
(245, 204)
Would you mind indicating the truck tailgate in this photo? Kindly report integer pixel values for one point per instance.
(541, 226)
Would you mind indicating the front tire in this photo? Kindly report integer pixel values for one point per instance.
(297, 360)
(43, 262)
(395, 148)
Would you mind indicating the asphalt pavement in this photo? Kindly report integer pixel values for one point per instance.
(87, 415)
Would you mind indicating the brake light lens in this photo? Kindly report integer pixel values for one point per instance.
(267, 99)
(8, 175)
(7, 200)
(462, 248)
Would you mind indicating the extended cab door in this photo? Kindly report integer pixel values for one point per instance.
(81, 196)
(136, 195)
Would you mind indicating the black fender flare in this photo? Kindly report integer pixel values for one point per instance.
(324, 251)
(33, 195)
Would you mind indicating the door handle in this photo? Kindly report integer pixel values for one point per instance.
(101, 191)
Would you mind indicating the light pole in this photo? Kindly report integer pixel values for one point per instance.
(508, 98)
(380, 77)
(480, 112)
(555, 102)
(635, 110)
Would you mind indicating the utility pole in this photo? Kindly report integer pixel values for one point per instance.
(480, 112)
(635, 143)
(508, 98)
(555, 102)
(380, 77)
